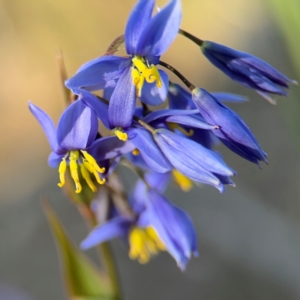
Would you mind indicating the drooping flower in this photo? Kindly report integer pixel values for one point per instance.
(146, 39)
(158, 225)
(247, 70)
(232, 130)
(74, 143)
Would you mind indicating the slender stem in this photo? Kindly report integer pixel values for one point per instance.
(105, 252)
(191, 37)
(178, 74)
(110, 267)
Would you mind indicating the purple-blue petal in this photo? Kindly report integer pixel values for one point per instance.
(153, 95)
(180, 98)
(122, 102)
(228, 97)
(55, 159)
(163, 113)
(191, 121)
(138, 20)
(208, 159)
(98, 73)
(77, 127)
(173, 226)
(47, 125)
(96, 104)
(114, 228)
(158, 181)
(160, 31)
(233, 132)
(109, 147)
(149, 150)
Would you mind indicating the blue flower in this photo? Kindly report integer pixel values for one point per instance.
(232, 131)
(180, 98)
(146, 39)
(193, 160)
(74, 143)
(158, 226)
(247, 70)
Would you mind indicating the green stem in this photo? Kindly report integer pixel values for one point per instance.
(110, 267)
(105, 253)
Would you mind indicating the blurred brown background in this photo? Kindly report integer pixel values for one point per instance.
(249, 237)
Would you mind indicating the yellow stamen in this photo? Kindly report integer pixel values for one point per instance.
(121, 135)
(62, 171)
(141, 72)
(135, 152)
(184, 182)
(144, 242)
(91, 160)
(174, 126)
(135, 76)
(86, 176)
(74, 170)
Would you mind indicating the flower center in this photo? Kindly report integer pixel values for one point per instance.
(144, 242)
(142, 71)
(87, 164)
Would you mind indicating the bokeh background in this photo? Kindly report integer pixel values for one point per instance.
(249, 237)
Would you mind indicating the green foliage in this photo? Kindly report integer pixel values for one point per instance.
(82, 279)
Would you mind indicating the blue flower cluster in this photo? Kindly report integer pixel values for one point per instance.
(162, 145)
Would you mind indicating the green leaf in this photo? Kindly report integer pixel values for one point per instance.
(83, 280)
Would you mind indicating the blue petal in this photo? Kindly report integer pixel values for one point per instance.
(98, 73)
(162, 113)
(47, 126)
(233, 132)
(109, 147)
(208, 159)
(158, 181)
(180, 98)
(96, 104)
(138, 20)
(160, 31)
(228, 97)
(191, 121)
(192, 159)
(122, 103)
(55, 159)
(266, 69)
(77, 127)
(117, 227)
(173, 226)
(150, 152)
(153, 95)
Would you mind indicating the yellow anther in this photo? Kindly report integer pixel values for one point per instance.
(174, 126)
(91, 160)
(183, 182)
(121, 135)
(92, 170)
(135, 76)
(86, 176)
(144, 242)
(135, 152)
(141, 72)
(74, 175)
(62, 171)
(139, 86)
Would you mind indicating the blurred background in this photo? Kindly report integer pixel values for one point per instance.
(249, 237)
